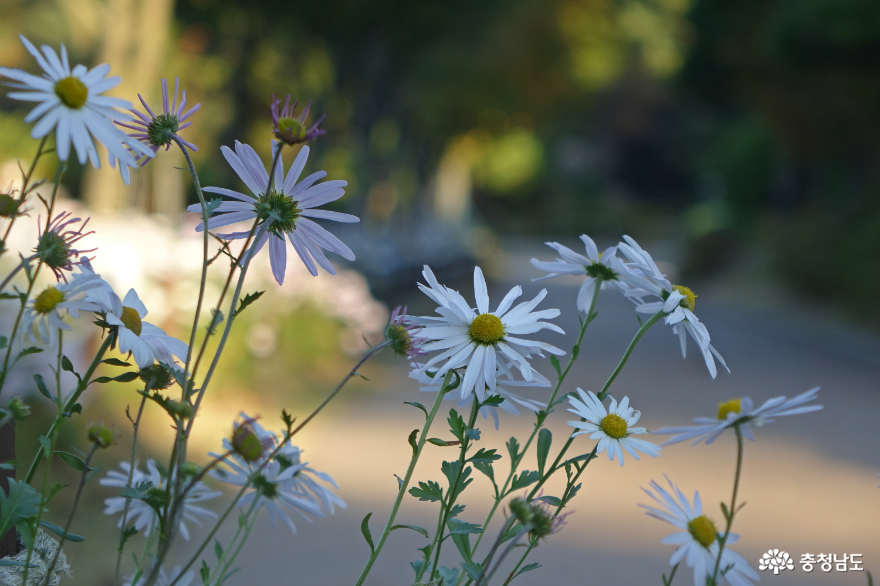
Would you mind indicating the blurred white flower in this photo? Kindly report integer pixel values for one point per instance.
(740, 412)
(164, 579)
(140, 513)
(698, 538)
(613, 428)
(477, 339)
(597, 266)
(644, 279)
(46, 311)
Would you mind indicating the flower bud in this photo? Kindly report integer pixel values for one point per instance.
(8, 206)
(102, 436)
(156, 377)
(182, 410)
(246, 443)
(18, 408)
(400, 333)
(536, 516)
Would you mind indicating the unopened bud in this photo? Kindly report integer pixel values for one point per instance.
(18, 408)
(156, 377)
(246, 443)
(102, 436)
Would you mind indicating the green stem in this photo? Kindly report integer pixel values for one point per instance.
(249, 516)
(80, 389)
(403, 485)
(136, 425)
(14, 271)
(447, 508)
(24, 191)
(82, 483)
(515, 465)
(731, 512)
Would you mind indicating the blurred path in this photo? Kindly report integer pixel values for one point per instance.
(810, 481)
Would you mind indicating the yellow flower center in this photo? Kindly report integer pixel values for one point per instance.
(690, 298)
(131, 320)
(732, 406)
(48, 299)
(72, 92)
(614, 426)
(703, 530)
(486, 329)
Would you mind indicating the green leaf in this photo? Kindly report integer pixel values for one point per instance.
(524, 479)
(456, 425)
(139, 491)
(442, 443)
(127, 534)
(484, 456)
(413, 527)
(212, 204)
(22, 503)
(218, 550)
(67, 365)
(3, 339)
(451, 471)
(365, 529)
(492, 401)
(473, 569)
(456, 510)
(205, 572)
(448, 575)
(44, 390)
(551, 500)
(60, 532)
(125, 377)
(74, 462)
(555, 363)
(29, 351)
(47, 445)
(527, 568)
(417, 406)
(464, 528)
(545, 438)
(461, 540)
(427, 491)
(473, 434)
(115, 362)
(216, 320)
(513, 450)
(487, 470)
(9, 465)
(248, 299)
(412, 440)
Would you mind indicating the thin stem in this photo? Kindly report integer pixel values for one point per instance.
(14, 271)
(82, 483)
(403, 485)
(250, 515)
(24, 190)
(80, 388)
(731, 512)
(671, 575)
(506, 551)
(488, 561)
(451, 496)
(515, 465)
(137, 423)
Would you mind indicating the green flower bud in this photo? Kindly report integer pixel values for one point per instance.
(156, 377)
(8, 206)
(18, 408)
(102, 436)
(246, 443)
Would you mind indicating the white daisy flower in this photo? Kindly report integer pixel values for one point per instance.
(741, 412)
(284, 212)
(164, 579)
(613, 428)
(644, 278)
(45, 313)
(597, 266)
(71, 102)
(140, 513)
(146, 342)
(476, 339)
(698, 539)
(503, 378)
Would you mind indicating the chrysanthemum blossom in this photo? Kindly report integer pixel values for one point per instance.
(286, 210)
(44, 316)
(613, 428)
(140, 512)
(598, 267)
(504, 379)
(55, 245)
(477, 339)
(645, 280)
(401, 334)
(291, 129)
(741, 411)
(146, 342)
(71, 102)
(698, 538)
(155, 131)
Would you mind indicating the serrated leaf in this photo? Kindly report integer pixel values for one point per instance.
(60, 532)
(413, 527)
(465, 528)
(138, 491)
(451, 471)
(74, 462)
(412, 440)
(473, 434)
(473, 569)
(524, 479)
(417, 406)
(44, 390)
(365, 529)
(545, 439)
(456, 510)
(513, 450)
(22, 503)
(449, 576)
(484, 456)
(456, 425)
(127, 534)
(527, 568)
(248, 299)
(212, 204)
(115, 362)
(427, 491)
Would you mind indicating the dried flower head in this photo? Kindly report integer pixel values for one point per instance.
(292, 130)
(55, 245)
(535, 515)
(157, 377)
(400, 333)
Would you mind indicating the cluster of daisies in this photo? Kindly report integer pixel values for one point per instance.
(493, 350)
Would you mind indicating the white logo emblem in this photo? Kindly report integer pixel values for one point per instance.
(776, 560)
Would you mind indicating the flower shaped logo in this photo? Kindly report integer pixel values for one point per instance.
(776, 560)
